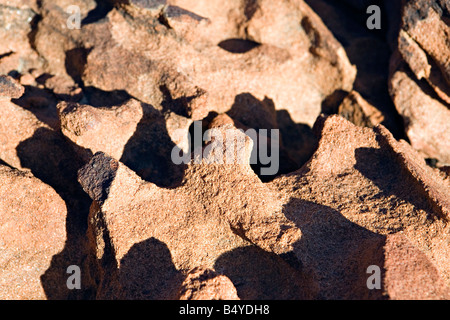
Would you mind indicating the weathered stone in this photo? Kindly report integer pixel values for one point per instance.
(358, 111)
(205, 284)
(32, 220)
(134, 132)
(191, 220)
(426, 118)
(10, 88)
(343, 229)
(312, 219)
(279, 63)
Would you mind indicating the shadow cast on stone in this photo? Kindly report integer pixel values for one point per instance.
(335, 252)
(260, 275)
(99, 12)
(100, 98)
(238, 46)
(147, 272)
(297, 141)
(391, 177)
(148, 152)
(3, 163)
(41, 102)
(52, 160)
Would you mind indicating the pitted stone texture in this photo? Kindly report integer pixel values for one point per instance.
(205, 284)
(32, 231)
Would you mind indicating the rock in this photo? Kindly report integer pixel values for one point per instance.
(93, 117)
(401, 278)
(426, 118)
(421, 93)
(424, 22)
(312, 220)
(32, 216)
(100, 129)
(205, 284)
(423, 44)
(194, 234)
(367, 49)
(276, 63)
(10, 88)
(358, 111)
(17, 22)
(15, 27)
(25, 125)
(134, 132)
(345, 230)
(24, 140)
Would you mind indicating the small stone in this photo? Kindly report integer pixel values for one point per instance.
(10, 88)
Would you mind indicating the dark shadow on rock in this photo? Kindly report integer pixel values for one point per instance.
(41, 102)
(335, 253)
(147, 272)
(330, 105)
(259, 275)
(149, 151)
(298, 139)
(75, 63)
(295, 141)
(101, 11)
(368, 50)
(238, 45)
(100, 98)
(3, 163)
(392, 177)
(254, 113)
(52, 160)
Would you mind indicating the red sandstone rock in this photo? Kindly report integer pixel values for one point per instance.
(422, 93)
(315, 222)
(342, 227)
(32, 219)
(358, 111)
(136, 72)
(205, 284)
(9, 88)
(427, 120)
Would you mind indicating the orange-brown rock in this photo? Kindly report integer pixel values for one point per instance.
(344, 228)
(279, 62)
(32, 220)
(205, 284)
(420, 77)
(312, 219)
(358, 111)
(426, 118)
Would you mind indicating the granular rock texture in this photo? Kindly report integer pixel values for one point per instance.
(420, 77)
(205, 284)
(32, 219)
(99, 101)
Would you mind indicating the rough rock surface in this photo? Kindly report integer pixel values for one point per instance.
(399, 210)
(397, 194)
(358, 111)
(420, 77)
(92, 114)
(9, 88)
(189, 223)
(32, 231)
(205, 284)
(219, 41)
